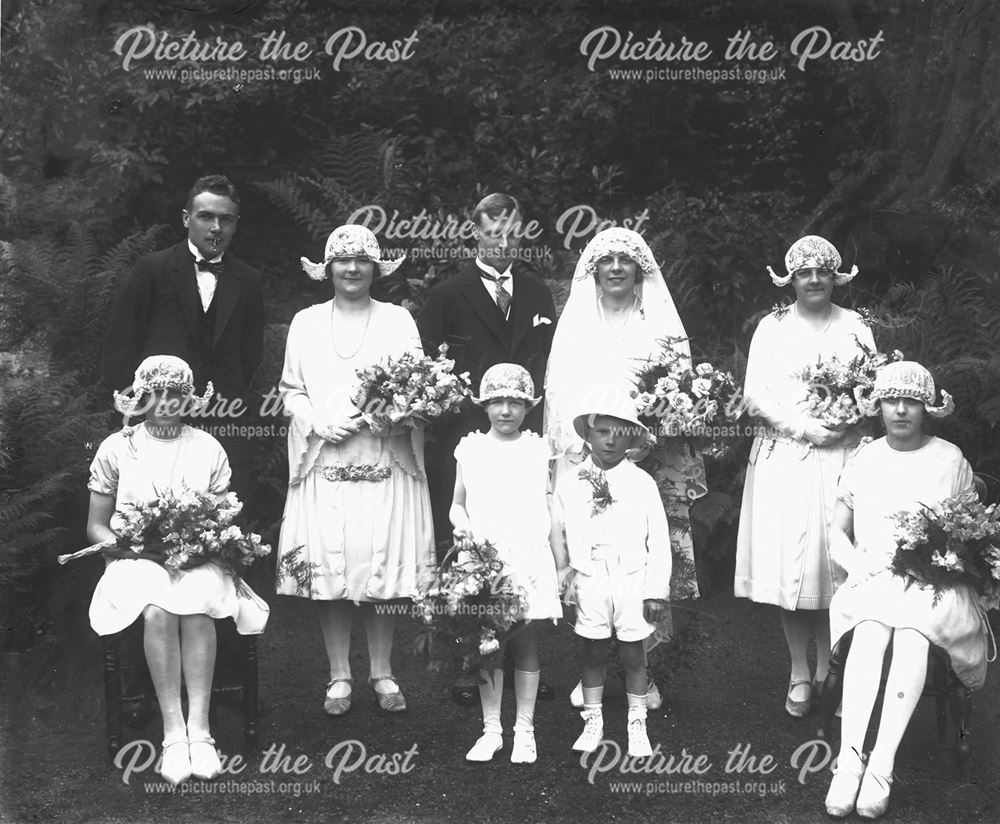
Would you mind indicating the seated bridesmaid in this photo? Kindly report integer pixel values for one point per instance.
(904, 470)
(179, 606)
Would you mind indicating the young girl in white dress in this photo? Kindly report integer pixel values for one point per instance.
(134, 466)
(904, 471)
(501, 496)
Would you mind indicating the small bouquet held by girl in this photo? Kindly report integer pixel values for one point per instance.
(182, 530)
(958, 545)
(472, 603)
(677, 401)
(410, 390)
(836, 392)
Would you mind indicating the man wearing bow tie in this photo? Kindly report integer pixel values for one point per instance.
(200, 302)
(490, 312)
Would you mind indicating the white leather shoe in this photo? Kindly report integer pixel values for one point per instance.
(488, 745)
(593, 731)
(205, 762)
(576, 696)
(843, 792)
(175, 760)
(638, 739)
(873, 798)
(524, 750)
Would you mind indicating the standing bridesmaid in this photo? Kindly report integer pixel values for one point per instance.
(782, 554)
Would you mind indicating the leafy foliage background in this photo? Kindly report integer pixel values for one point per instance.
(895, 160)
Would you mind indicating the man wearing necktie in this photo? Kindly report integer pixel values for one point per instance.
(198, 301)
(490, 312)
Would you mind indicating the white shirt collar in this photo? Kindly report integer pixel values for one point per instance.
(506, 273)
(199, 256)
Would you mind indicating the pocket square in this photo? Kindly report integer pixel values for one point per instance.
(538, 320)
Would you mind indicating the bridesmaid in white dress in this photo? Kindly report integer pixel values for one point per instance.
(134, 466)
(501, 496)
(782, 554)
(904, 471)
(357, 526)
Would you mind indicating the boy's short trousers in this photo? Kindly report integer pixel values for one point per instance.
(611, 600)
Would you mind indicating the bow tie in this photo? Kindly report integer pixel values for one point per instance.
(215, 268)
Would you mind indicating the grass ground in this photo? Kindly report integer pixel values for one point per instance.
(370, 767)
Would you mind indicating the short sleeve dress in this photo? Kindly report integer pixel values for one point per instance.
(782, 550)
(505, 485)
(878, 482)
(134, 469)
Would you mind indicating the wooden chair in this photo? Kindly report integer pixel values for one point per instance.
(129, 693)
(942, 685)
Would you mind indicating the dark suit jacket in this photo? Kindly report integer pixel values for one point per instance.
(157, 311)
(461, 313)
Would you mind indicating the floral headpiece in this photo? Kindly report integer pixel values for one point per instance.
(507, 380)
(350, 240)
(616, 241)
(159, 372)
(813, 252)
(908, 379)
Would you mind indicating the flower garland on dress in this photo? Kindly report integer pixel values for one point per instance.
(357, 472)
(471, 604)
(409, 390)
(958, 545)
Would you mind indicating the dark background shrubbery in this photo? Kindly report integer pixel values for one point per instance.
(895, 160)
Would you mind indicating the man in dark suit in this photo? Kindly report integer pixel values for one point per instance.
(489, 313)
(201, 303)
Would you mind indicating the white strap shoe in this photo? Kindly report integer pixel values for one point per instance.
(873, 797)
(205, 762)
(175, 760)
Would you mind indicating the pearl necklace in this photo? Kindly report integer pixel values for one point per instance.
(364, 333)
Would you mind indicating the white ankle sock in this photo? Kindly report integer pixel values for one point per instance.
(636, 706)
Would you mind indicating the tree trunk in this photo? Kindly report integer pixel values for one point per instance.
(963, 108)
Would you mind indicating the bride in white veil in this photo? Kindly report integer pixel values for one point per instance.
(612, 324)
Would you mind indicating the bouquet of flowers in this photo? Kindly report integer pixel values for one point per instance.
(472, 604)
(958, 545)
(408, 390)
(835, 390)
(674, 400)
(182, 531)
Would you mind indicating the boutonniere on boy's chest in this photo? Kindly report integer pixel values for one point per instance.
(600, 493)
